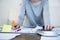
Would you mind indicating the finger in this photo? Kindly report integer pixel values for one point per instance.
(53, 27)
(47, 27)
(44, 27)
(18, 26)
(50, 27)
(13, 28)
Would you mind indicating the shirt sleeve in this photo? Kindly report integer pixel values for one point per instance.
(22, 15)
(46, 13)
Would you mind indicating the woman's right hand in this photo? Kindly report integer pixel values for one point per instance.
(15, 27)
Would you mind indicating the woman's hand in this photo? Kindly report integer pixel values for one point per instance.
(48, 27)
(15, 27)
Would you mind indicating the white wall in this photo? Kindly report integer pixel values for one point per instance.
(54, 7)
(9, 10)
(15, 10)
(3, 16)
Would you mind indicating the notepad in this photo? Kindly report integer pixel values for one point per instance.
(6, 28)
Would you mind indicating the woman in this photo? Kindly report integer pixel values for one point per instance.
(33, 10)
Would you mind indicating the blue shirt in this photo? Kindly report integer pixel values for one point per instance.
(34, 15)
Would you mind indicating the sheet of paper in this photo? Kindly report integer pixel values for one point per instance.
(27, 30)
(6, 28)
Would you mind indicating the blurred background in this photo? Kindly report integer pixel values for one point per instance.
(10, 9)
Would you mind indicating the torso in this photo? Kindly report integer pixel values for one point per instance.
(36, 12)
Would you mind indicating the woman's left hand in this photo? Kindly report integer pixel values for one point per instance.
(48, 27)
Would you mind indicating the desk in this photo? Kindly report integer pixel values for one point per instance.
(12, 34)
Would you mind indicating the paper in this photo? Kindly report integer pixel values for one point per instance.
(27, 30)
(6, 28)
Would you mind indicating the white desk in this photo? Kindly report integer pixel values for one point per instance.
(12, 34)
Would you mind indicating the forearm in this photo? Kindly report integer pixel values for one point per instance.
(20, 21)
